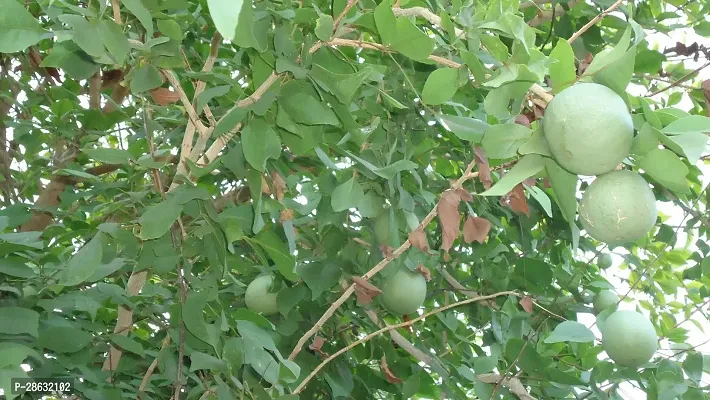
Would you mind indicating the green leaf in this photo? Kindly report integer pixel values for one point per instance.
(386, 22)
(391, 170)
(192, 314)
(109, 156)
(289, 297)
(306, 109)
(412, 42)
(83, 264)
(225, 15)
(570, 331)
(666, 168)
(230, 120)
(535, 275)
(158, 219)
(18, 320)
(85, 34)
(564, 184)
(200, 360)
(693, 366)
(690, 124)
(440, 86)
(690, 145)
(70, 58)
(137, 8)
(13, 354)
(324, 27)
(562, 69)
(210, 94)
(536, 144)
(284, 64)
(260, 142)
(541, 197)
(29, 239)
(18, 28)
(128, 344)
(527, 166)
(278, 251)
(347, 195)
(342, 86)
(63, 339)
(464, 128)
(646, 140)
(320, 276)
(171, 29)
(233, 353)
(115, 41)
(145, 78)
(502, 141)
(16, 266)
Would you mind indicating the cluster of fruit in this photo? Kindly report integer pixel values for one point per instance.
(589, 131)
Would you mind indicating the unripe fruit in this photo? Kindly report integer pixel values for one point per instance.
(258, 297)
(604, 261)
(629, 338)
(588, 128)
(604, 300)
(404, 292)
(618, 207)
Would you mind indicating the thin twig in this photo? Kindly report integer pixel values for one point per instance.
(191, 113)
(151, 368)
(392, 327)
(116, 6)
(594, 21)
(681, 80)
(339, 18)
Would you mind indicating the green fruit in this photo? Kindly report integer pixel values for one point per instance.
(382, 228)
(588, 129)
(618, 207)
(604, 261)
(404, 292)
(604, 300)
(258, 297)
(629, 338)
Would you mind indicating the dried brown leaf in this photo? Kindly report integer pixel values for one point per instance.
(527, 303)
(584, 64)
(424, 271)
(546, 182)
(279, 185)
(518, 202)
(265, 189)
(391, 378)
(317, 344)
(476, 229)
(164, 96)
(449, 218)
(463, 194)
(484, 169)
(286, 214)
(363, 297)
(419, 240)
(530, 182)
(387, 251)
(366, 285)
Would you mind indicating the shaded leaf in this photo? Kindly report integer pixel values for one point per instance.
(347, 195)
(464, 128)
(19, 320)
(259, 143)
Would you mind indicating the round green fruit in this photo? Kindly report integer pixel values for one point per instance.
(259, 298)
(618, 207)
(629, 338)
(604, 300)
(404, 292)
(604, 261)
(588, 128)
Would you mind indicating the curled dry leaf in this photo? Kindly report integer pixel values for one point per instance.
(366, 286)
(286, 214)
(419, 240)
(476, 229)
(391, 378)
(317, 344)
(530, 182)
(484, 169)
(527, 303)
(516, 200)
(449, 217)
(164, 96)
(279, 185)
(424, 271)
(387, 251)
(584, 64)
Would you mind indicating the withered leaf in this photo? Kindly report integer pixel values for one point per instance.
(449, 218)
(476, 229)
(418, 239)
(517, 200)
(530, 182)
(286, 214)
(484, 169)
(164, 96)
(527, 303)
(362, 295)
(584, 64)
(317, 344)
(387, 251)
(391, 378)
(366, 285)
(279, 185)
(424, 271)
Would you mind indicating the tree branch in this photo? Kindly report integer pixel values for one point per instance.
(151, 368)
(594, 21)
(388, 328)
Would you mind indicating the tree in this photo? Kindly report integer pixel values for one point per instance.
(159, 156)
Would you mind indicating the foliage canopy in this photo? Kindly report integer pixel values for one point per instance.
(159, 155)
